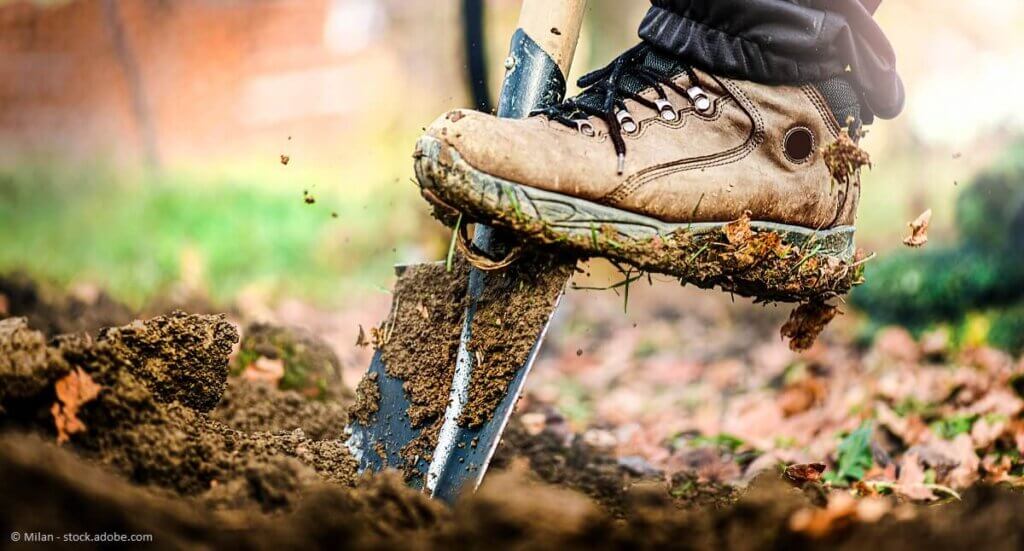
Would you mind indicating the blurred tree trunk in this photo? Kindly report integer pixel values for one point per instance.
(133, 75)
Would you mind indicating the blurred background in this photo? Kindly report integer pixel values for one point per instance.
(256, 156)
(141, 140)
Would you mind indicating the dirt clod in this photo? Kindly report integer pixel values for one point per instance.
(807, 322)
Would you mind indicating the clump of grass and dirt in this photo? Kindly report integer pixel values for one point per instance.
(267, 466)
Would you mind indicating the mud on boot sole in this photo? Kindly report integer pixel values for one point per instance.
(765, 260)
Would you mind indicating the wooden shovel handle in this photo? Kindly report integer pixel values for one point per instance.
(555, 26)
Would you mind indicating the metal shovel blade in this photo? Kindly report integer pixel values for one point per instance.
(383, 437)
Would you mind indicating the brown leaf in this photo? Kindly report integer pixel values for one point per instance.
(738, 232)
(73, 390)
(919, 230)
(801, 396)
(807, 322)
(264, 370)
(806, 472)
(911, 482)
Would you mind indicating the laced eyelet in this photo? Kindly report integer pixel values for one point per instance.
(701, 100)
(626, 122)
(666, 110)
(584, 127)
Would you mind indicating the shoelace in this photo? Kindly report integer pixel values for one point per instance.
(606, 85)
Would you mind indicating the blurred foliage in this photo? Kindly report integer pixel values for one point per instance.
(982, 272)
(140, 235)
(853, 456)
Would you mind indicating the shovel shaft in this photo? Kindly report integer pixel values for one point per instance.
(539, 59)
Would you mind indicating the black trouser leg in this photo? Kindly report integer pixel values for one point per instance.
(782, 42)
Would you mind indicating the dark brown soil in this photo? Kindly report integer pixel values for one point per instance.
(257, 407)
(511, 313)
(419, 342)
(57, 313)
(367, 399)
(146, 425)
(264, 470)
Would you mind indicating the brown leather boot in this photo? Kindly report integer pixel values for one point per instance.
(727, 183)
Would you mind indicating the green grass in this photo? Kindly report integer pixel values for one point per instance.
(133, 233)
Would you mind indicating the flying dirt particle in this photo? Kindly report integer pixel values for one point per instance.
(361, 340)
(73, 391)
(844, 159)
(334, 215)
(919, 230)
(807, 322)
(555, 31)
(957, 155)
(308, 197)
(579, 352)
(285, 159)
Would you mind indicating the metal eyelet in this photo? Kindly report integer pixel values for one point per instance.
(584, 127)
(626, 121)
(666, 110)
(701, 100)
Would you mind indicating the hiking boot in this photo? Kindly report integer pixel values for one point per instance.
(721, 182)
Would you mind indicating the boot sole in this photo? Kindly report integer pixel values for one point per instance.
(592, 229)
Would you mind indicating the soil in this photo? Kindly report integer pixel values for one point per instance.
(148, 422)
(419, 342)
(264, 470)
(514, 308)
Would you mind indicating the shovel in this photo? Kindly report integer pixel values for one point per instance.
(395, 424)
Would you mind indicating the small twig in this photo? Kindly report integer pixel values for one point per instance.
(451, 246)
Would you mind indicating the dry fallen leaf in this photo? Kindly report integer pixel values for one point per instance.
(807, 322)
(74, 390)
(911, 482)
(919, 230)
(803, 473)
(739, 232)
(264, 370)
